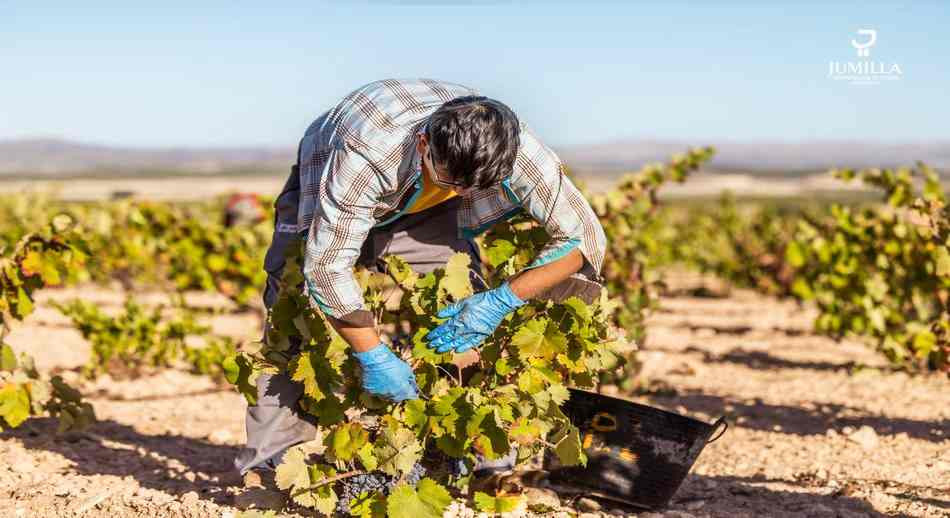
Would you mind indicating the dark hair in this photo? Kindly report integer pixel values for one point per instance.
(476, 139)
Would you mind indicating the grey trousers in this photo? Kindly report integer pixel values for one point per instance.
(426, 240)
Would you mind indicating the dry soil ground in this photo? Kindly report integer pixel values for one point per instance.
(818, 428)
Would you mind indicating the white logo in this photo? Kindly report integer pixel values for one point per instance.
(864, 49)
(864, 71)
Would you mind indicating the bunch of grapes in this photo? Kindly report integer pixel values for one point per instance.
(351, 489)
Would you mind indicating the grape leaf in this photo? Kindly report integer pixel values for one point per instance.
(7, 358)
(345, 441)
(368, 505)
(397, 450)
(14, 404)
(499, 251)
(303, 370)
(239, 372)
(456, 281)
(524, 431)
(322, 498)
(943, 261)
(568, 448)
(497, 504)
(400, 270)
(292, 471)
(429, 500)
(539, 338)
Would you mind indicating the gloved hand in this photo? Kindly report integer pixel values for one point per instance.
(386, 375)
(472, 320)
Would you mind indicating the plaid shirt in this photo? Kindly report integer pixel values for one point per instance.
(358, 162)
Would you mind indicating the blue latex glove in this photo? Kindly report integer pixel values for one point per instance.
(386, 375)
(472, 320)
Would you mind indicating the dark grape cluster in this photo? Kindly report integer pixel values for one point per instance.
(349, 489)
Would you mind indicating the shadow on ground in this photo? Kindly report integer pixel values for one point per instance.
(748, 496)
(717, 496)
(762, 360)
(799, 421)
(203, 467)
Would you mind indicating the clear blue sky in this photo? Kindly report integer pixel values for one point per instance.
(256, 73)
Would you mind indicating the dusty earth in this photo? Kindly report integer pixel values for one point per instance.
(818, 428)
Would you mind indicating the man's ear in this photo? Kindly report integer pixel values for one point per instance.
(419, 145)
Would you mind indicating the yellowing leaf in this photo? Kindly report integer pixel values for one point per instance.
(32, 263)
(456, 281)
(497, 504)
(14, 404)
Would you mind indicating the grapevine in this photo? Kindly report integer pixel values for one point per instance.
(511, 402)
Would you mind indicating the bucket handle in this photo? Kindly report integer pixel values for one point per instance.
(720, 423)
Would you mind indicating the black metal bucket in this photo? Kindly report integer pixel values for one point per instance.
(636, 454)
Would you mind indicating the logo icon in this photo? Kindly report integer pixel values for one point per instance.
(863, 71)
(864, 49)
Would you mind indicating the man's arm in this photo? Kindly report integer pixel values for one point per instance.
(360, 338)
(347, 195)
(529, 283)
(341, 223)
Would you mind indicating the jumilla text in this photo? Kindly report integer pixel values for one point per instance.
(864, 68)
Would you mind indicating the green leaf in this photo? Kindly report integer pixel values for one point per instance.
(292, 471)
(524, 431)
(321, 498)
(497, 504)
(239, 372)
(7, 358)
(568, 449)
(456, 281)
(924, 343)
(302, 480)
(539, 338)
(401, 272)
(14, 404)
(429, 500)
(397, 450)
(24, 306)
(302, 369)
(328, 410)
(414, 414)
(367, 457)
(216, 263)
(345, 441)
(795, 255)
(368, 505)
(32, 263)
(499, 252)
(943, 261)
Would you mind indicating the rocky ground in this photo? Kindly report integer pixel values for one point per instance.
(818, 428)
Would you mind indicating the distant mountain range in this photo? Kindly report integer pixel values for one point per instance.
(50, 158)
